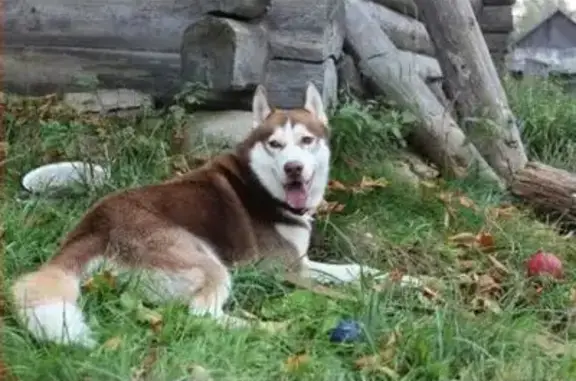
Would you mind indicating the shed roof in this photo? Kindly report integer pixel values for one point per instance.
(545, 17)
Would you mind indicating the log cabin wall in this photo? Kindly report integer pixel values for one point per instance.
(230, 45)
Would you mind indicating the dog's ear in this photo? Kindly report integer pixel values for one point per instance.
(314, 103)
(260, 107)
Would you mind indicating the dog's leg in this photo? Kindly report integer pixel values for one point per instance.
(192, 272)
(336, 273)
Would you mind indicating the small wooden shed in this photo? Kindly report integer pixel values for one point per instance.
(551, 42)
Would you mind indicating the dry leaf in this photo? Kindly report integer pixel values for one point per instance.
(467, 202)
(504, 211)
(151, 317)
(487, 285)
(377, 363)
(464, 239)
(336, 185)
(481, 303)
(367, 183)
(485, 240)
(498, 264)
(113, 343)
(296, 362)
(106, 278)
(466, 264)
(141, 372)
(429, 184)
(328, 207)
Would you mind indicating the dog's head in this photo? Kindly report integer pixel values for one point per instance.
(288, 150)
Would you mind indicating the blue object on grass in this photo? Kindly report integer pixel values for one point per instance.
(346, 331)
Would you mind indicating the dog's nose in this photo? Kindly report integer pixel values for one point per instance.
(293, 169)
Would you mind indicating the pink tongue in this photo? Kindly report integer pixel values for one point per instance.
(296, 198)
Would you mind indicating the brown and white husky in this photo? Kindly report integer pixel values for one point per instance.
(185, 234)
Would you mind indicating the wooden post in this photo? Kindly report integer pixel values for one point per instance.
(474, 84)
(380, 62)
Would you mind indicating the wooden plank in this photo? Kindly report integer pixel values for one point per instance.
(406, 32)
(41, 70)
(439, 135)
(496, 19)
(224, 54)
(306, 31)
(106, 24)
(474, 85)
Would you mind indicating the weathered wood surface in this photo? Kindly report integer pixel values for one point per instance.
(407, 7)
(406, 32)
(285, 81)
(243, 9)
(39, 71)
(499, 2)
(496, 19)
(224, 54)
(349, 78)
(547, 189)
(422, 65)
(108, 24)
(441, 138)
(305, 30)
(474, 85)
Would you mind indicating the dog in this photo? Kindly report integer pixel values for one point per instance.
(252, 204)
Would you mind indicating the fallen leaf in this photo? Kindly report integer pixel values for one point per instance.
(329, 207)
(481, 303)
(464, 239)
(367, 183)
(143, 370)
(113, 343)
(485, 240)
(503, 211)
(466, 264)
(336, 185)
(378, 363)
(487, 285)
(105, 279)
(296, 362)
(429, 184)
(467, 202)
(498, 264)
(151, 317)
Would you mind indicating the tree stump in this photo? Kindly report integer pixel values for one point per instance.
(224, 54)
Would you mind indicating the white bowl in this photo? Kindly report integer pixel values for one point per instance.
(62, 175)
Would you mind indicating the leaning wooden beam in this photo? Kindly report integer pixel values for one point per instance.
(473, 84)
(380, 62)
(549, 190)
(405, 32)
(425, 66)
(406, 7)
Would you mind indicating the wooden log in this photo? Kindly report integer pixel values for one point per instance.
(405, 32)
(425, 66)
(306, 31)
(107, 24)
(474, 85)
(349, 78)
(285, 81)
(499, 2)
(496, 19)
(406, 7)
(436, 87)
(40, 71)
(439, 135)
(224, 54)
(241, 9)
(549, 190)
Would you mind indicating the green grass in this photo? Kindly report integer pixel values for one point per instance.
(400, 227)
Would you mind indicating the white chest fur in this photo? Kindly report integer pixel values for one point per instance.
(297, 235)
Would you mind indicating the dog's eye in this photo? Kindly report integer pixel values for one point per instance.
(307, 140)
(275, 144)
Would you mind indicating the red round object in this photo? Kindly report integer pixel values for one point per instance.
(542, 263)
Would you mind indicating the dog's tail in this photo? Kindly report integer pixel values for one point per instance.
(45, 300)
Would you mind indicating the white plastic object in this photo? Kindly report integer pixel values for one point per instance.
(65, 174)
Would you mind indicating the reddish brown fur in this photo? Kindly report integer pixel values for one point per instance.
(221, 203)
